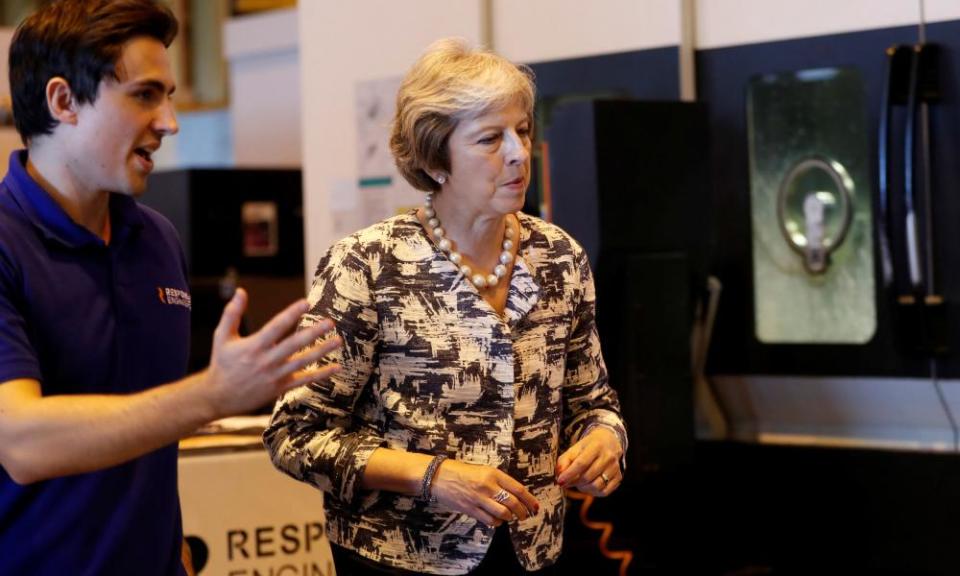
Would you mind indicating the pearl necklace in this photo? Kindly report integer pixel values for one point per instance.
(479, 280)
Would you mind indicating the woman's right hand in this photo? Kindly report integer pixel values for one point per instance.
(474, 490)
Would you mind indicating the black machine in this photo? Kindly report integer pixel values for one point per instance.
(910, 92)
(629, 182)
(238, 227)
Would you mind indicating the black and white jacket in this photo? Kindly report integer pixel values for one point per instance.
(430, 367)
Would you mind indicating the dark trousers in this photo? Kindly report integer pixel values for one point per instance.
(499, 561)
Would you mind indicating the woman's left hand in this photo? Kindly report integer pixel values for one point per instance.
(592, 465)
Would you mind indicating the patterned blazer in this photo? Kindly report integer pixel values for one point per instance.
(430, 367)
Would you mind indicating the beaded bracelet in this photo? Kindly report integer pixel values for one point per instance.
(426, 484)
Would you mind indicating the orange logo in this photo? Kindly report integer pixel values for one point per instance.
(174, 297)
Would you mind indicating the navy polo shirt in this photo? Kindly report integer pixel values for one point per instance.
(82, 317)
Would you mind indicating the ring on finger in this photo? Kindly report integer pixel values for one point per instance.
(603, 476)
(501, 496)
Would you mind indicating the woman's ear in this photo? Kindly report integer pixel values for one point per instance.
(60, 100)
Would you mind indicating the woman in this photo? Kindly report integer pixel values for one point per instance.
(472, 389)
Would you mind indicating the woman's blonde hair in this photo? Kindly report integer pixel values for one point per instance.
(450, 82)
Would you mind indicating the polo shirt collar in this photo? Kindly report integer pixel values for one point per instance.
(52, 221)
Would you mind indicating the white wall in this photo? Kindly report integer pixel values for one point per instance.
(205, 140)
(264, 61)
(542, 30)
(730, 22)
(342, 43)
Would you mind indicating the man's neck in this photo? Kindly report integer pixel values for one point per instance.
(88, 208)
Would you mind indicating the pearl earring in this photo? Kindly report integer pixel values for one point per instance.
(441, 179)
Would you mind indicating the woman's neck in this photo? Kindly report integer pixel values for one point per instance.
(479, 237)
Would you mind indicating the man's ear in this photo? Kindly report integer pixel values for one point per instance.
(60, 100)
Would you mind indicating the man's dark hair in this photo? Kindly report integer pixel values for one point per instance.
(80, 41)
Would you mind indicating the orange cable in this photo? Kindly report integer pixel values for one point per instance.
(624, 556)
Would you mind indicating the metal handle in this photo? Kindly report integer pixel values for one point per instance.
(896, 74)
(813, 244)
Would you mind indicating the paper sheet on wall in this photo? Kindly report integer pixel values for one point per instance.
(381, 191)
(344, 206)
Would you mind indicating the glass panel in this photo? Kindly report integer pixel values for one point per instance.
(810, 203)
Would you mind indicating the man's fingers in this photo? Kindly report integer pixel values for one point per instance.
(298, 341)
(230, 319)
(309, 356)
(308, 376)
(280, 325)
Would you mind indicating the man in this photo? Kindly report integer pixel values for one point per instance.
(94, 305)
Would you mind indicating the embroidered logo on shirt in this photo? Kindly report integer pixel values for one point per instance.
(174, 296)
